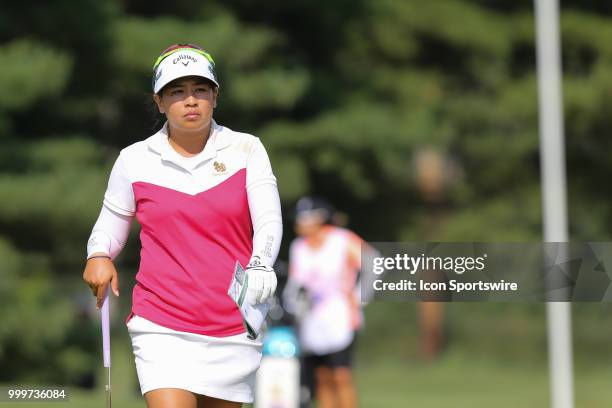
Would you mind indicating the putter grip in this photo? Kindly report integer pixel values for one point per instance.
(106, 330)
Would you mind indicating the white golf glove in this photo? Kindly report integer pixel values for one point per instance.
(261, 281)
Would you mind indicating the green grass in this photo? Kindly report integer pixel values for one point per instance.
(496, 357)
(454, 381)
(458, 381)
(125, 389)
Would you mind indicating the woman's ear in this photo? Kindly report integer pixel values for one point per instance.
(157, 100)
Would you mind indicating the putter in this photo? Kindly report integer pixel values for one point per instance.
(106, 344)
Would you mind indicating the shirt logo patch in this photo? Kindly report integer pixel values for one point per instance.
(219, 168)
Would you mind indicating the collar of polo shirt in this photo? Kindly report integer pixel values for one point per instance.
(161, 145)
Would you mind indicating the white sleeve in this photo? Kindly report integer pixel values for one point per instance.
(109, 234)
(119, 195)
(264, 206)
(259, 170)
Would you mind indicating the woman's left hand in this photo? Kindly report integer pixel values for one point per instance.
(261, 281)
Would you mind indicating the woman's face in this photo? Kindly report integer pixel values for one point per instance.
(188, 103)
(307, 225)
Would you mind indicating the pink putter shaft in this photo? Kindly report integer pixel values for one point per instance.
(106, 331)
(104, 310)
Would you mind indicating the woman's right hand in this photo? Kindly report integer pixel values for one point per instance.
(99, 272)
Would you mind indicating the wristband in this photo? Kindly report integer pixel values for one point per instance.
(99, 256)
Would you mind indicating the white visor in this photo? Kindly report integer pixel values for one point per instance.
(184, 62)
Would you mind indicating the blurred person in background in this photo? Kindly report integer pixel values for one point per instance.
(433, 175)
(205, 197)
(324, 261)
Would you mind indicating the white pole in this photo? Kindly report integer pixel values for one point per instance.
(554, 208)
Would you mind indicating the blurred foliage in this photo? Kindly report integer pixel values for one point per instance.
(44, 74)
(345, 95)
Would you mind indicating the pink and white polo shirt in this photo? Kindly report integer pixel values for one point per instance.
(195, 224)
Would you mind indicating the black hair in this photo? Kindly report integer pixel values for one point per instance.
(312, 203)
(153, 110)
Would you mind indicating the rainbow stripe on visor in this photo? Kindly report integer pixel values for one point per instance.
(178, 47)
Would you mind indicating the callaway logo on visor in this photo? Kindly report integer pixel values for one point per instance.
(185, 57)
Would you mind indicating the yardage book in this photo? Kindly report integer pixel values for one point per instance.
(253, 316)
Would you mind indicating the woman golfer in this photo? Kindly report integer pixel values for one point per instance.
(205, 197)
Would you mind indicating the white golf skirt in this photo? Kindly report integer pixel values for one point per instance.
(218, 367)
